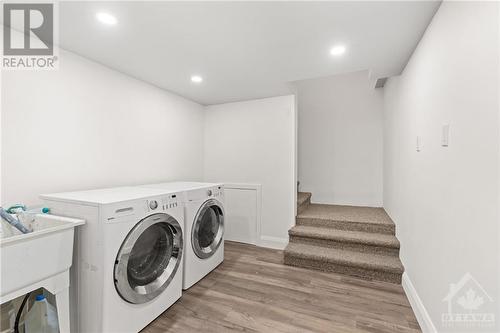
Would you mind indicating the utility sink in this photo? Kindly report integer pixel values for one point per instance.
(30, 259)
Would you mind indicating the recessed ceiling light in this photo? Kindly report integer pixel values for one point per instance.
(337, 50)
(106, 18)
(196, 79)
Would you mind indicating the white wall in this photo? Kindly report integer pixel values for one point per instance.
(340, 140)
(86, 126)
(1, 135)
(254, 142)
(444, 200)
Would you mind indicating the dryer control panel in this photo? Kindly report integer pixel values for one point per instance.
(216, 192)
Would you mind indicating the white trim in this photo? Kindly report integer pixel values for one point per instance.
(243, 186)
(295, 159)
(273, 242)
(423, 318)
(258, 189)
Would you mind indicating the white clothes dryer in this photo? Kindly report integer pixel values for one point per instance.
(204, 227)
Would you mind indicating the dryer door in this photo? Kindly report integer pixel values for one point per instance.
(148, 258)
(208, 229)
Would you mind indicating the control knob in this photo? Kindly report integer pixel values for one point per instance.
(153, 204)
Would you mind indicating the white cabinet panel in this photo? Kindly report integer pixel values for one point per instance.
(242, 215)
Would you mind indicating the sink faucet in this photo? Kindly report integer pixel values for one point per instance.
(13, 221)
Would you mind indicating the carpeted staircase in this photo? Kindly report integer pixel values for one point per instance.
(357, 241)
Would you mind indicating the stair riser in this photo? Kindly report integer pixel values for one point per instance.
(367, 274)
(334, 244)
(302, 207)
(351, 226)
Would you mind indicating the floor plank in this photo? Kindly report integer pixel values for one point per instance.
(252, 291)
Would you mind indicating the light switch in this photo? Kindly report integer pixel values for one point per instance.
(418, 143)
(445, 136)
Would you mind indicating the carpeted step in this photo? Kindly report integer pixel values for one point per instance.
(303, 201)
(364, 265)
(365, 219)
(346, 240)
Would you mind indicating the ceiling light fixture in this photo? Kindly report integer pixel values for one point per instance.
(196, 79)
(106, 18)
(337, 50)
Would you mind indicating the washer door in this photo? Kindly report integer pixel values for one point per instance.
(208, 229)
(148, 258)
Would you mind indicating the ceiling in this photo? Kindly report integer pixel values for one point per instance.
(243, 50)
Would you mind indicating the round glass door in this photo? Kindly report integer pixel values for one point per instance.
(148, 258)
(208, 229)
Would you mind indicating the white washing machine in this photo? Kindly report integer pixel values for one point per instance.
(204, 227)
(127, 266)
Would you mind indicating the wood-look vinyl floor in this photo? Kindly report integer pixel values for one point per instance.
(252, 291)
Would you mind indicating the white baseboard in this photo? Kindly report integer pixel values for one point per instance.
(423, 318)
(273, 242)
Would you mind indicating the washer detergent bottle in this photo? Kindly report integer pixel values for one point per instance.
(41, 318)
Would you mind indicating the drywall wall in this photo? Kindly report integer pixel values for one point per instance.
(86, 126)
(254, 142)
(340, 139)
(1, 155)
(444, 200)
(498, 180)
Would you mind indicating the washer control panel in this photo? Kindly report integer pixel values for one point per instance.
(129, 210)
(163, 203)
(170, 202)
